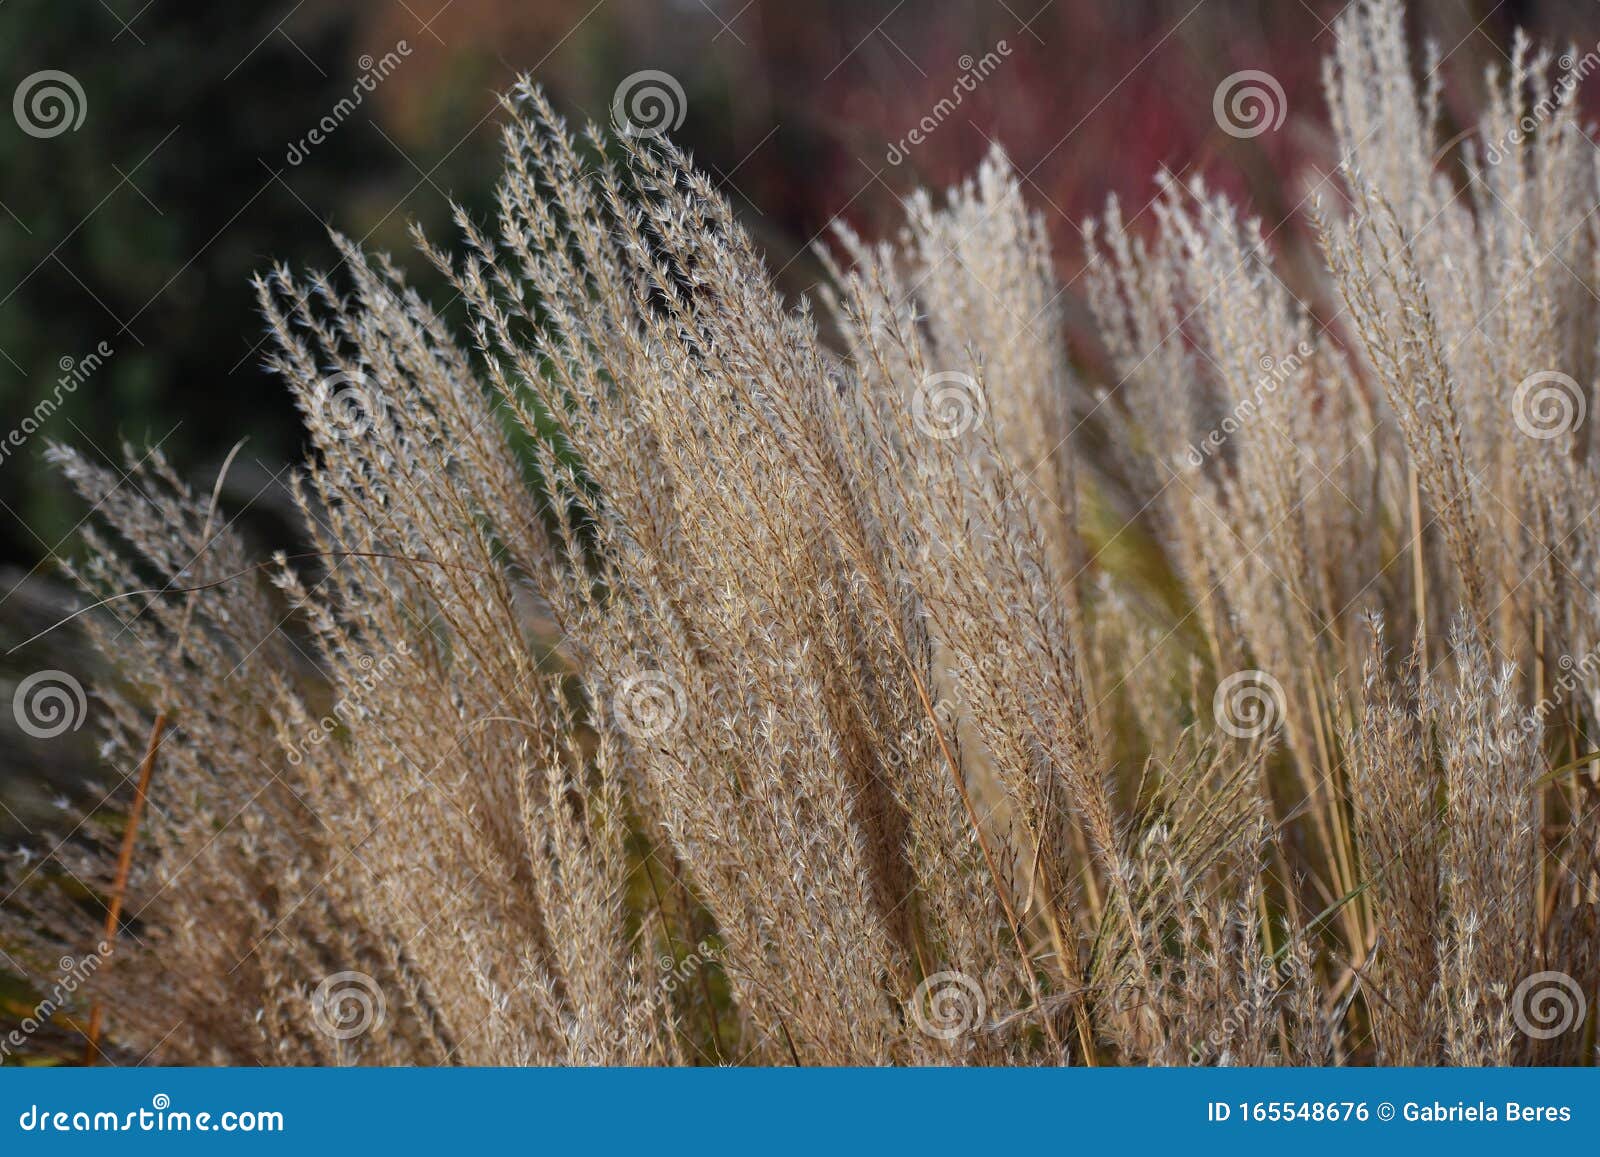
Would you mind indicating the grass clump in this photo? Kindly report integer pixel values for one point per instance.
(803, 711)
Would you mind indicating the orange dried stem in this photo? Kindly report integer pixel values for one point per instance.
(119, 885)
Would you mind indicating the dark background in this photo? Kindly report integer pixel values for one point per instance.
(141, 228)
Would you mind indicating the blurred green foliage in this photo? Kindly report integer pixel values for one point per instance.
(142, 228)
